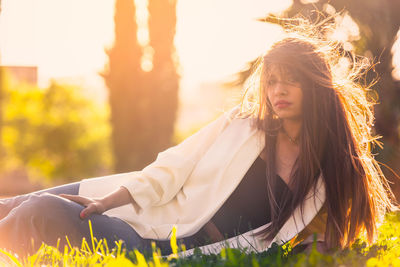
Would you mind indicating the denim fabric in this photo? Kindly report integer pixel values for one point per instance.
(43, 216)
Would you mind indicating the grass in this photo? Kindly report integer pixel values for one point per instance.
(384, 252)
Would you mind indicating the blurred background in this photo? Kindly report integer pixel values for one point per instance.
(90, 88)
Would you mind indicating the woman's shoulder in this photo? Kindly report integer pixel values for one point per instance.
(242, 111)
(239, 117)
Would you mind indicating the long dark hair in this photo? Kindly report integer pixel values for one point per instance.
(335, 141)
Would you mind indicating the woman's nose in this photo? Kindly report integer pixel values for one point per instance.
(280, 88)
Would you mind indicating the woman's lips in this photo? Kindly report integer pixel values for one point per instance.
(282, 104)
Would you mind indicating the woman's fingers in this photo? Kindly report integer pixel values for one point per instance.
(94, 207)
(91, 205)
(78, 199)
(87, 211)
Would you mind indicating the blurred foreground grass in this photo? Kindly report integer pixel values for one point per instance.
(384, 252)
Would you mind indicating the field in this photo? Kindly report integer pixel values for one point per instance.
(385, 251)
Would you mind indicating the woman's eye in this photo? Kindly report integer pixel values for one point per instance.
(271, 82)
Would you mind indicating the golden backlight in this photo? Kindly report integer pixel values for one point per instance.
(66, 39)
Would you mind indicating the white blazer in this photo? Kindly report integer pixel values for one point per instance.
(187, 184)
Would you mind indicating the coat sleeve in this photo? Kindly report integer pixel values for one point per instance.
(160, 181)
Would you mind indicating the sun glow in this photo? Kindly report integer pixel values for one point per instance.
(66, 39)
(142, 19)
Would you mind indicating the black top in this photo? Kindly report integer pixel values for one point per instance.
(248, 206)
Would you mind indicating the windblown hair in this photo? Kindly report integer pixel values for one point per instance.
(335, 140)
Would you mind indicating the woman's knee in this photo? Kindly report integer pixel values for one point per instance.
(44, 218)
(48, 205)
(49, 217)
(72, 189)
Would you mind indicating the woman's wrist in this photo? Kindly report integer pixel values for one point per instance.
(116, 199)
(105, 203)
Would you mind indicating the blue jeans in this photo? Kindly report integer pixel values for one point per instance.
(43, 216)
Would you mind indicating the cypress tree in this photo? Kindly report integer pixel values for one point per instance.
(143, 104)
(123, 78)
(163, 78)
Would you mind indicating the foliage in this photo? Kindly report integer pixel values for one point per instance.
(384, 252)
(143, 103)
(54, 132)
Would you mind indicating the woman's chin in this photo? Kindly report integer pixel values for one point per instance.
(289, 117)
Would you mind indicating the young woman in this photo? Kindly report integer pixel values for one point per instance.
(293, 159)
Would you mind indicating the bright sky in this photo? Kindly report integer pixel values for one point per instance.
(64, 38)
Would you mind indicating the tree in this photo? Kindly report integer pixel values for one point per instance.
(54, 132)
(124, 81)
(143, 104)
(163, 80)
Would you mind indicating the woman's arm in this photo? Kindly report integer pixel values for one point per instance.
(160, 181)
(115, 199)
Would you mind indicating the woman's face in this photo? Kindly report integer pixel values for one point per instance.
(284, 94)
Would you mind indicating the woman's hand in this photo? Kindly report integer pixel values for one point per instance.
(91, 205)
(115, 199)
